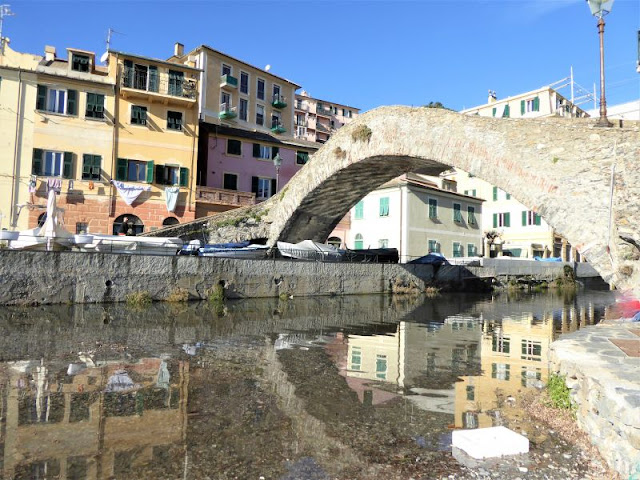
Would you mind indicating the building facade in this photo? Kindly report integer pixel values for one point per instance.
(417, 217)
(316, 120)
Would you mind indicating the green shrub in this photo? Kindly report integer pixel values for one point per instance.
(138, 299)
(361, 133)
(559, 393)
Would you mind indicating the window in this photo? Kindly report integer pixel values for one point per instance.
(244, 82)
(383, 243)
(356, 358)
(275, 120)
(260, 89)
(134, 170)
(174, 120)
(495, 194)
(230, 181)
(52, 164)
(500, 343)
(276, 92)
(82, 227)
(530, 218)
(501, 220)
(176, 79)
(225, 102)
(381, 367)
(507, 196)
(95, 106)
(56, 100)
(384, 207)
(172, 175)
(138, 115)
(471, 215)
(501, 371)
(434, 246)
(244, 109)
(531, 350)
(457, 214)
(433, 208)
(80, 63)
(226, 69)
(263, 187)
(471, 193)
(359, 210)
(91, 167)
(507, 111)
(234, 147)
(530, 377)
(471, 392)
(261, 151)
(457, 249)
(259, 115)
(531, 105)
(472, 251)
(302, 157)
(358, 243)
(344, 112)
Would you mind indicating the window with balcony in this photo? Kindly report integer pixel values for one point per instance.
(230, 181)
(138, 115)
(140, 77)
(384, 207)
(134, 170)
(359, 210)
(433, 246)
(80, 63)
(302, 158)
(95, 106)
(91, 165)
(471, 215)
(433, 208)
(172, 175)
(530, 218)
(176, 80)
(226, 69)
(244, 82)
(50, 163)
(457, 214)
(259, 114)
(234, 147)
(260, 89)
(276, 120)
(501, 220)
(57, 100)
(244, 109)
(174, 120)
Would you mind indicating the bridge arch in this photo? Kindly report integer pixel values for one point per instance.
(561, 168)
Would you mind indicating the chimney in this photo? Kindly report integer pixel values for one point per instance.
(492, 96)
(178, 50)
(49, 53)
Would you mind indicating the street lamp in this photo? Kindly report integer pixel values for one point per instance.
(599, 8)
(277, 161)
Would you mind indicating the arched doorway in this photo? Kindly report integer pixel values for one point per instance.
(170, 221)
(335, 241)
(136, 224)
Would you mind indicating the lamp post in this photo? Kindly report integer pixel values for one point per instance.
(599, 8)
(277, 161)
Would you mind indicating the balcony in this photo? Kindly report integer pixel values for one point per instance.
(277, 128)
(148, 83)
(323, 128)
(220, 196)
(229, 82)
(278, 101)
(323, 111)
(301, 122)
(227, 112)
(301, 106)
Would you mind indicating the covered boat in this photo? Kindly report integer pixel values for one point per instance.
(310, 251)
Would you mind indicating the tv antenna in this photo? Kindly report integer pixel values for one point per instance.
(105, 55)
(5, 11)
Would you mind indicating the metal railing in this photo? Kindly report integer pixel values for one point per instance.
(158, 82)
(323, 128)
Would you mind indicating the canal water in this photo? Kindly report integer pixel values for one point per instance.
(312, 388)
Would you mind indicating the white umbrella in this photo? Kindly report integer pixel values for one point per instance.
(49, 228)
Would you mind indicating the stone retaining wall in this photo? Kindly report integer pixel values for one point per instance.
(605, 385)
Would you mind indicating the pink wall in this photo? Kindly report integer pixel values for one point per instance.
(245, 166)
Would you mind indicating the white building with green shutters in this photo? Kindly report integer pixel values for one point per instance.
(417, 216)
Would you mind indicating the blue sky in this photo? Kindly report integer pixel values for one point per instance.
(363, 53)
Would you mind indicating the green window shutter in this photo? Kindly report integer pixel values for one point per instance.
(184, 176)
(537, 219)
(495, 193)
(524, 218)
(521, 107)
(67, 167)
(143, 115)
(160, 177)
(41, 102)
(72, 102)
(507, 219)
(254, 184)
(36, 164)
(508, 196)
(359, 213)
(153, 78)
(99, 103)
(274, 186)
(121, 169)
(493, 111)
(495, 220)
(507, 111)
(384, 207)
(536, 104)
(87, 163)
(256, 150)
(150, 171)
(274, 151)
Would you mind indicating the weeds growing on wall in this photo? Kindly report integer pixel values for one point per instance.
(138, 299)
(559, 393)
(178, 295)
(361, 133)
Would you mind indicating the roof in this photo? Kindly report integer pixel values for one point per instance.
(516, 97)
(326, 101)
(242, 62)
(156, 60)
(207, 128)
(416, 181)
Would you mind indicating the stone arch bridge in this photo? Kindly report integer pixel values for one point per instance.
(561, 168)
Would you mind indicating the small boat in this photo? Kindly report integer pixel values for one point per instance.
(248, 251)
(131, 245)
(372, 255)
(310, 251)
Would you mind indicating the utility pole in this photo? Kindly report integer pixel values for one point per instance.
(5, 11)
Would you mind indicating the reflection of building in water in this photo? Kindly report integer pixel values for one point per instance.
(514, 357)
(88, 421)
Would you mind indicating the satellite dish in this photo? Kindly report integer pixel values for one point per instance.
(104, 57)
(267, 68)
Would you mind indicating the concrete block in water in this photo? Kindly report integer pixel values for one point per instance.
(490, 442)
